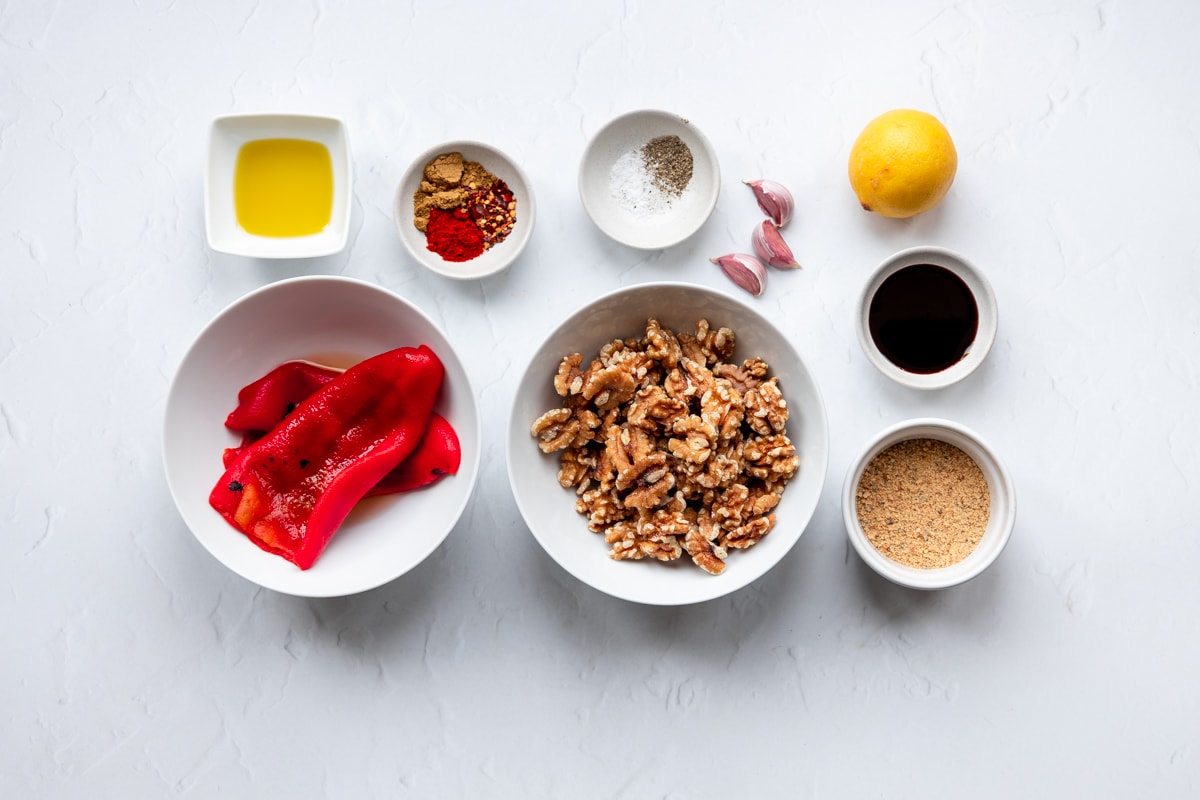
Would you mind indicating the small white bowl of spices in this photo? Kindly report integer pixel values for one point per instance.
(929, 504)
(464, 210)
(649, 179)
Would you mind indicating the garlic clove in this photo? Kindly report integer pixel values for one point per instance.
(769, 244)
(745, 270)
(774, 199)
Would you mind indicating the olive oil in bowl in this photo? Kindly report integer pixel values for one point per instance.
(283, 187)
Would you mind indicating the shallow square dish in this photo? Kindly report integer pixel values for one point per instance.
(226, 138)
(495, 259)
(659, 228)
(335, 321)
(549, 509)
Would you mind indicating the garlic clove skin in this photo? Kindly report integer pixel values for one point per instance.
(774, 199)
(745, 270)
(769, 245)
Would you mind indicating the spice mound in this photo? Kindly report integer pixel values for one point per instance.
(651, 178)
(923, 503)
(670, 446)
(317, 440)
(462, 208)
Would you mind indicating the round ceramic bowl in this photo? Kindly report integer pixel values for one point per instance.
(338, 322)
(609, 199)
(226, 138)
(985, 303)
(549, 509)
(1002, 511)
(497, 258)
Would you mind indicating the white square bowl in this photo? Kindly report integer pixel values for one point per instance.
(226, 137)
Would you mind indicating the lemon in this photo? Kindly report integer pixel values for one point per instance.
(902, 164)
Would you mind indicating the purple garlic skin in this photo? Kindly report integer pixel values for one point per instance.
(744, 270)
(771, 247)
(774, 199)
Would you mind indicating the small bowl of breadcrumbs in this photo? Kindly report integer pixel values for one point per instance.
(928, 504)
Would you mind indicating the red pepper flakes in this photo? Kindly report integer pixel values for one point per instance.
(494, 210)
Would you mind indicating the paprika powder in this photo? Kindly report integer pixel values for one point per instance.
(290, 490)
(453, 235)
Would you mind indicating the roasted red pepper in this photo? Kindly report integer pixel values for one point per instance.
(265, 403)
(437, 455)
(290, 490)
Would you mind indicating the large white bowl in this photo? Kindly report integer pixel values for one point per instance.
(549, 510)
(332, 320)
(226, 137)
(648, 231)
(495, 259)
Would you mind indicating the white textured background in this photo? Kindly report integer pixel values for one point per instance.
(135, 665)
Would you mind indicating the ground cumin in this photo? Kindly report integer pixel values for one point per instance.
(923, 503)
(446, 183)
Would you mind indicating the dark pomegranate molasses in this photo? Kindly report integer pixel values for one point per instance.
(923, 318)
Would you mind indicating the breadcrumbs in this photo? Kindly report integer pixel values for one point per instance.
(923, 503)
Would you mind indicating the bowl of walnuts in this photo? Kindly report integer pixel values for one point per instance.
(667, 444)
